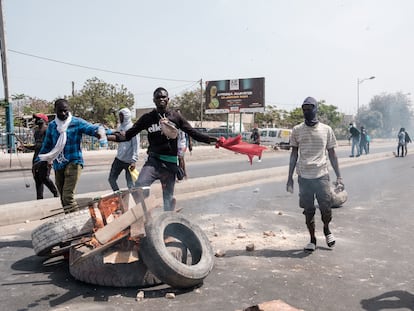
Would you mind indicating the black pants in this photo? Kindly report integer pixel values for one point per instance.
(41, 176)
(165, 172)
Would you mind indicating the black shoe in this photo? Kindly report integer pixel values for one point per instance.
(351, 156)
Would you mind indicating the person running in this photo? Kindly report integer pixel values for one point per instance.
(127, 154)
(162, 163)
(62, 146)
(41, 172)
(310, 140)
(255, 138)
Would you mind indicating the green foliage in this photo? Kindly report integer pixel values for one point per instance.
(99, 102)
(190, 105)
(386, 114)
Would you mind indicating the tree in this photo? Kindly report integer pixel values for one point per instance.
(99, 102)
(386, 114)
(271, 117)
(190, 105)
(327, 114)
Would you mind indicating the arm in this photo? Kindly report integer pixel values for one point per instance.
(334, 162)
(292, 164)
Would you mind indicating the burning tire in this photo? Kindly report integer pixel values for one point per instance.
(53, 237)
(130, 272)
(168, 269)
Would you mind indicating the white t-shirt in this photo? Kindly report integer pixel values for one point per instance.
(313, 142)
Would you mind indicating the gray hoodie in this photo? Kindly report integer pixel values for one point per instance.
(127, 150)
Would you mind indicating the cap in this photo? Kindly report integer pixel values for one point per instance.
(41, 116)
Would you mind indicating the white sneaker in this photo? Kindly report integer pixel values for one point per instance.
(260, 160)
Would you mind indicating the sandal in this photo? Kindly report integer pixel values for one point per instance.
(310, 247)
(330, 240)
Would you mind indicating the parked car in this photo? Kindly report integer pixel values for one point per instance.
(221, 131)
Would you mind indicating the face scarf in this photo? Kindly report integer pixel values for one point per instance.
(57, 151)
(310, 115)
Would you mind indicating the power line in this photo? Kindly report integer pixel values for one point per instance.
(98, 69)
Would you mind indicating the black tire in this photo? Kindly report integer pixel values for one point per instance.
(51, 236)
(168, 269)
(95, 271)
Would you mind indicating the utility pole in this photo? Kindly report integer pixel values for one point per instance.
(201, 102)
(8, 105)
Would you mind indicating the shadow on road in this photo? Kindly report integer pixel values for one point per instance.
(396, 299)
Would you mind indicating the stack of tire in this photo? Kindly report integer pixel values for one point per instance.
(174, 251)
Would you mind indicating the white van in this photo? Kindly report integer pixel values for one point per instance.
(275, 137)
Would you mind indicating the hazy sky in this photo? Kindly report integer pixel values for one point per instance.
(303, 48)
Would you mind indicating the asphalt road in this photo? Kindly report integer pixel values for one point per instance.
(95, 177)
(369, 269)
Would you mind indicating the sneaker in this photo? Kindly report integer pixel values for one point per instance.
(260, 160)
(351, 156)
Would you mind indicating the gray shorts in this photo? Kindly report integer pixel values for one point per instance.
(311, 188)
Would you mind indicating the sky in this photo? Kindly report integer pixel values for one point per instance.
(318, 48)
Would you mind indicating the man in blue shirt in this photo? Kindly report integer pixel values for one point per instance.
(62, 146)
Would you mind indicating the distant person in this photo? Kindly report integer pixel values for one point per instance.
(401, 142)
(368, 141)
(41, 172)
(310, 140)
(407, 140)
(184, 142)
(355, 135)
(62, 146)
(255, 138)
(363, 141)
(162, 125)
(127, 154)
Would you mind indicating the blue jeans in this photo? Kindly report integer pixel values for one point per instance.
(355, 143)
(165, 172)
(117, 167)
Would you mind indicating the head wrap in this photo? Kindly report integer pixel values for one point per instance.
(310, 115)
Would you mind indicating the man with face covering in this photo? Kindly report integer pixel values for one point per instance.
(162, 163)
(309, 142)
(127, 154)
(62, 146)
(41, 173)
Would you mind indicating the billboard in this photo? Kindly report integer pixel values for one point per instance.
(235, 96)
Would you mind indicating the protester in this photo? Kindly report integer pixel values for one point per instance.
(310, 140)
(407, 140)
(183, 142)
(355, 135)
(162, 163)
(255, 138)
(401, 142)
(127, 154)
(62, 145)
(41, 172)
(363, 141)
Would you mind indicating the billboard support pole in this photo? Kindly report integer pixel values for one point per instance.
(201, 102)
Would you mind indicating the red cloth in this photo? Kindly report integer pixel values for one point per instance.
(237, 145)
(41, 116)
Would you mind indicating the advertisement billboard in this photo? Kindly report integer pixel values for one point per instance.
(235, 96)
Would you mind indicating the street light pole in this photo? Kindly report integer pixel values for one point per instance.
(359, 81)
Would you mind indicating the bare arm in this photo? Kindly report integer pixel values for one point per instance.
(292, 164)
(334, 162)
